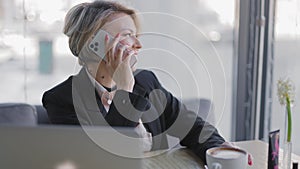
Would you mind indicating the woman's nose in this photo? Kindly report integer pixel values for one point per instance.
(137, 44)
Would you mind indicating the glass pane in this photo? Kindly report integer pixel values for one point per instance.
(287, 43)
(188, 45)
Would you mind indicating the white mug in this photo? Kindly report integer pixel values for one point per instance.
(226, 158)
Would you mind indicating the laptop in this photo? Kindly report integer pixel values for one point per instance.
(69, 147)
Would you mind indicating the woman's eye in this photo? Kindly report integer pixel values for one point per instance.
(127, 34)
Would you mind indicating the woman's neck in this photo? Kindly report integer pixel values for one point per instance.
(101, 75)
(105, 81)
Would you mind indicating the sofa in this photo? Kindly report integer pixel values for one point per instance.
(27, 114)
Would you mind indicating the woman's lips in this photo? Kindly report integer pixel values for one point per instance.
(128, 49)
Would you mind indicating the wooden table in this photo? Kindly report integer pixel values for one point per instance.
(183, 158)
(259, 151)
(177, 158)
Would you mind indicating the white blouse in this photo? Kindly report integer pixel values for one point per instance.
(140, 129)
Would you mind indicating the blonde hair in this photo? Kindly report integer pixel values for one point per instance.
(84, 19)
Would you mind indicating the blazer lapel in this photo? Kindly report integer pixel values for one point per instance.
(100, 105)
(86, 100)
(88, 106)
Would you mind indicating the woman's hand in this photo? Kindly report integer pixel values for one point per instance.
(118, 63)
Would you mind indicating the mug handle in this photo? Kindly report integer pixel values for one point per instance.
(216, 166)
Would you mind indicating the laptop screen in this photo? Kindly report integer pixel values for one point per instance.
(69, 147)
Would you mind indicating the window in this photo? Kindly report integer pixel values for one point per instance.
(286, 64)
(188, 44)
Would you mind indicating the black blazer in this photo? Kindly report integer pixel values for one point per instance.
(75, 101)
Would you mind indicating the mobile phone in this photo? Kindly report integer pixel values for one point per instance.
(97, 46)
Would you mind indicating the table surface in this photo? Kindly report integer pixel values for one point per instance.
(183, 158)
(259, 151)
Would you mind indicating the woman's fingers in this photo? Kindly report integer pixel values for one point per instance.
(113, 46)
(107, 51)
(128, 56)
(110, 47)
(250, 159)
(119, 53)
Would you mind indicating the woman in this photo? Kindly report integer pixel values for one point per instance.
(137, 99)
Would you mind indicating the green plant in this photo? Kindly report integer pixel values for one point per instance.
(286, 94)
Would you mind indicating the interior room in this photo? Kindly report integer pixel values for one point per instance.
(228, 61)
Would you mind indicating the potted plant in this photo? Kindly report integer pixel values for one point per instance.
(286, 95)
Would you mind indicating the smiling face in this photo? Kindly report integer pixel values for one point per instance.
(125, 25)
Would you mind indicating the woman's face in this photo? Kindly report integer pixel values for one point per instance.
(123, 24)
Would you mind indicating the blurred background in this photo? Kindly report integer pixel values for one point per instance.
(192, 47)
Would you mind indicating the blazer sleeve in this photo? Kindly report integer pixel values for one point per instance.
(59, 112)
(126, 109)
(192, 130)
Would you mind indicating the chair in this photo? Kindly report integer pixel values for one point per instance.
(42, 116)
(18, 114)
